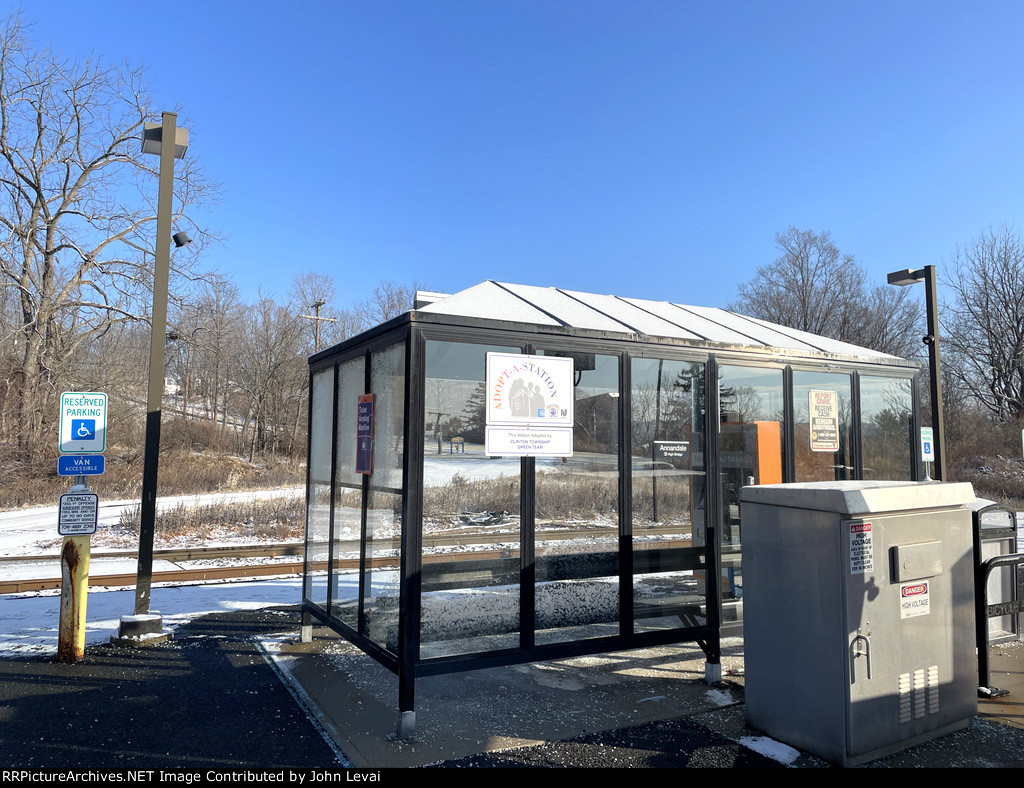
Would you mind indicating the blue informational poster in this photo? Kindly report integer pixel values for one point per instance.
(364, 434)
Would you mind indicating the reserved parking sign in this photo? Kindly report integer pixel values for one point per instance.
(83, 422)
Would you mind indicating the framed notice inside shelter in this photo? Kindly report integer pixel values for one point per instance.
(364, 434)
(529, 405)
(823, 407)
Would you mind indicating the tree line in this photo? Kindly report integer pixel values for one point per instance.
(77, 226)
(78, 217)
(813, 286)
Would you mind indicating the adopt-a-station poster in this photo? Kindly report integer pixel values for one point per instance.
(529, 406)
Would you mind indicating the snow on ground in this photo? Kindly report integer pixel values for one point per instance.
(29, 622)
(770, 748)
(23, 530)
(439, 469)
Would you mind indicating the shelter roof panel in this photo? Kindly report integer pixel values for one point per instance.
(569, 308)
(555, 308)
(757, 333)
(490, 300)
(700, 324)
(825, 344)
(637, 319)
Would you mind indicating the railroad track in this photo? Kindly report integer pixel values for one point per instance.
(279, 568)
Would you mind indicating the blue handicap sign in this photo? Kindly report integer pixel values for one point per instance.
(83, 429)
(81, 465)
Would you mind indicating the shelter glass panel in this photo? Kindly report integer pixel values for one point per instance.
(887, 427)
(318, 497)
(669, 488)
(822, 437)
(577, 515)
(384, 501)
(348, 495)
(471, 525)
(751, 450)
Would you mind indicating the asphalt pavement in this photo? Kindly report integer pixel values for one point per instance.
(233, 691)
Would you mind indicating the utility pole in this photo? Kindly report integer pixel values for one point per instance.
(316, 322)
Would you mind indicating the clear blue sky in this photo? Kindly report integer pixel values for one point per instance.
(642, 148)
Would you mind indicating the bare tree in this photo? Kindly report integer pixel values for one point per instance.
(984, 321)
(271, 371)
(387, 300)
(221, 315)
(187, 337)
(77, 209)
(814, 287)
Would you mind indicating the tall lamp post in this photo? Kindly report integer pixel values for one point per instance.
(170, 143)
(927, 275)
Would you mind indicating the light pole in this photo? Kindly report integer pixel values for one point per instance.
(927, 275)
(170, 142)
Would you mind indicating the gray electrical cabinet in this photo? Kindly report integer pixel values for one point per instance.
(859, 633)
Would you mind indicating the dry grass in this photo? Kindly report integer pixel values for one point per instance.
(987, 454)
(184, 470)
(561, 495)
(273, 519)
(997, 479)
(492, 495)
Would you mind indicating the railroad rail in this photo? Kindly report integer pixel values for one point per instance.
(285, 549)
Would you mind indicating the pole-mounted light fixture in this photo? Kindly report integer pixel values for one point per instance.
(931, 339)
(907, 277)
(169, 142)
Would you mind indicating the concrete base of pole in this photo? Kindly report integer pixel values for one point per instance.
(713, 672)
(140, 630)
(406, 731)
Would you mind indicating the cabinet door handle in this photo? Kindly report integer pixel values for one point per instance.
(859, 647)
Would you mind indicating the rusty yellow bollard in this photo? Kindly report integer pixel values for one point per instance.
(74, 592)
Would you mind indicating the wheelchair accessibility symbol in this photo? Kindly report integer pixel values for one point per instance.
(83, 429)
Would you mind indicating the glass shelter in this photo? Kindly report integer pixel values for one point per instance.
(436, 551)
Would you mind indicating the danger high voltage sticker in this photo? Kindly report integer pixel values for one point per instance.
(862, 555)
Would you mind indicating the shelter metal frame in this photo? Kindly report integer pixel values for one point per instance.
(413, 330)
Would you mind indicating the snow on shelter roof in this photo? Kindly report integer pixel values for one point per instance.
(553, 307)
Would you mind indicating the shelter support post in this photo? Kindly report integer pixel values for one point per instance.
(713, 514)
(406, 701)
(411, 536)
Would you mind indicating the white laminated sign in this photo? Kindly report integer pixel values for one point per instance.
(78, 513)
(529, 405)
(823, 409)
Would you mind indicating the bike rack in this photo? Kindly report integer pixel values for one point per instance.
(983, 611)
